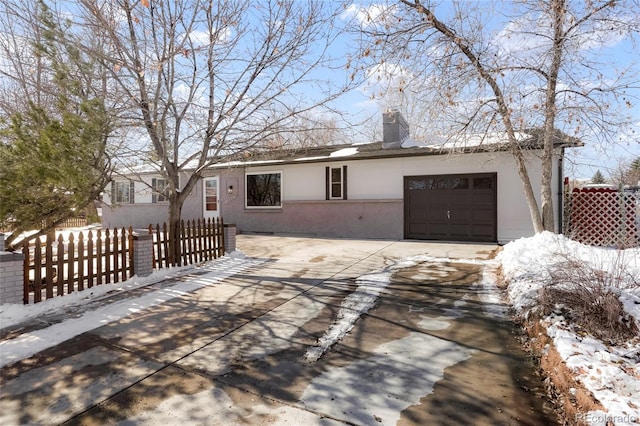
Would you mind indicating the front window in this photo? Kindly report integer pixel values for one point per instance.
(122, 192)
(264, 189)
(160, 190)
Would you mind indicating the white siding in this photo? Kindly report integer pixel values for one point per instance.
(383, 179)
(142, 185)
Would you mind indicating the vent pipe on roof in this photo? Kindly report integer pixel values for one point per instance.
(395, 129)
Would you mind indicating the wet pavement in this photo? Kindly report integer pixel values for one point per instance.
(429, 350)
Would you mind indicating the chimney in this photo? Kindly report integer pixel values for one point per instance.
(395, 129)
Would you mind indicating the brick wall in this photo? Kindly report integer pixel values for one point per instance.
(11, 281)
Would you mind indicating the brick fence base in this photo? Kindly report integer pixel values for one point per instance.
(229, 238)
(11, 275)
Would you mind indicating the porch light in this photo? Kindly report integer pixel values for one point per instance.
(230, 190)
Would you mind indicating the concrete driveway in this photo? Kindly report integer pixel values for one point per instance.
(302, 332)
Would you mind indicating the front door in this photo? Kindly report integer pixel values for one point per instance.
(211, 203)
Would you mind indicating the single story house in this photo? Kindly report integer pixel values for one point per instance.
(394, 189)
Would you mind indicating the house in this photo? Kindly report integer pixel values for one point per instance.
(394, 189)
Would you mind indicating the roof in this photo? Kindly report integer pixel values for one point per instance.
(472, 143)
(490, 142)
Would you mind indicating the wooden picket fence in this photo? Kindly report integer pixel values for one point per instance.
(56, 267)
(73, 222)
(200, 240)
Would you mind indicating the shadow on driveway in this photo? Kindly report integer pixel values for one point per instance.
(233, 352)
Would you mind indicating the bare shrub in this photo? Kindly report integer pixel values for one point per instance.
(587, 294)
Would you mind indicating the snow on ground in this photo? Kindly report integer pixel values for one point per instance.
(352, 307)
(30, 343)
(397, 375)
(610, 373)
(364, 298)
(11, 313)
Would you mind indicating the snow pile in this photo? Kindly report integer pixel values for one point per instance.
(610, 373)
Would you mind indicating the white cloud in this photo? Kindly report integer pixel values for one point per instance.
(603, 34)
(366, 16)
(201, 38)
(531, 34)
(385, 76)
(523, 36)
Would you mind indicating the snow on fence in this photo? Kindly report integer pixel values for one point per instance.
(62, 267)
(602, 217)
(200, 240)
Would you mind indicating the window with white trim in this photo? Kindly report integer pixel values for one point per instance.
(160, 188)
(122, 192)
(263, 190)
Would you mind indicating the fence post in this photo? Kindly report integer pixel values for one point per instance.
(142, 253)
(11, 275)
(229, 232)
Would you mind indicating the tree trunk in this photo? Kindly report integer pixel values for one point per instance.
(503, 109)
(558, 8)
(175, 214)
(546, 194)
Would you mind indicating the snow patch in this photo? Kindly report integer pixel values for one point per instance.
(352, 307)
(345, 152)
(493, 305)
(396, 376)
(28, 344)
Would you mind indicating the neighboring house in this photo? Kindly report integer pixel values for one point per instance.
(393, 189)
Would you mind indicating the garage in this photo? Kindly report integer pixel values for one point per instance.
(460, 207)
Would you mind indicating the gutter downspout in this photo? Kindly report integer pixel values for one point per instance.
(560, 192)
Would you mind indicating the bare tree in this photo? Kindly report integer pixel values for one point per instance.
(545, 69)
(207, 79)
(627, 173)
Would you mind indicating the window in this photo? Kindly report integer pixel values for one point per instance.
(416, 184)
(264, 189)
(160, 188)
(459, 183)
(482, 183)
(336, 183)
(437, 183)
(122, 192)
(211, 195)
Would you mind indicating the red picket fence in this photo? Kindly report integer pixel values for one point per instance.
(200, 240)
(62, 267)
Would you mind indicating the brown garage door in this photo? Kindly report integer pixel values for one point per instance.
(451, 207)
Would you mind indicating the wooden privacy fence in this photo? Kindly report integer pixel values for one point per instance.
(200, 240)
(56, 267)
